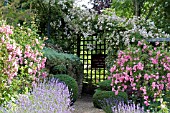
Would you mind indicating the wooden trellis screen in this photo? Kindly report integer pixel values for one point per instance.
(93, 59)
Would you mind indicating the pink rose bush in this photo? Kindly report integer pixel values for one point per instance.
(143, 70)
(21, 60)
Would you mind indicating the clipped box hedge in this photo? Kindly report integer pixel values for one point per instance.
(105, 85)
(100, 96)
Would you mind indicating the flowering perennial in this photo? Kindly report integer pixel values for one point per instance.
(21, 60)
(51, 97)
(143, 69)
(127, 108)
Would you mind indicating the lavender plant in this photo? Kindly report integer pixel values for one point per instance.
(112, 105)
(50, 97)
(127, 108)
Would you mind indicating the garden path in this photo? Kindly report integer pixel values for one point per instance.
(85, 105)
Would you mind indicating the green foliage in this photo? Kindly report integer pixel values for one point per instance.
(149, 9)
(71, 83)
(59, 69)
(122, 8)
(162, 20)
(105, 85)
(100, 96)
(17, 11)
(63, 63)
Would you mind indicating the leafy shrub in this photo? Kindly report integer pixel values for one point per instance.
(99, 96)
(144, 70)
(105, 85)
(63, 63)
(71, 83)
(51, 97)
(21, 60)
(59, 69)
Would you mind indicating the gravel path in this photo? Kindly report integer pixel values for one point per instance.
(85, 105)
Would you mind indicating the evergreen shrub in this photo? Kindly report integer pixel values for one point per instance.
(100, 96)
(105, 85)
(71, 83)
(63, 63)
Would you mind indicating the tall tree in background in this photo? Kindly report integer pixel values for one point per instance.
(156, 10)
(16, 11)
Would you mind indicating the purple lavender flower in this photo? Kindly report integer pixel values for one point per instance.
(117, 105)
(127, 108)
(50, 97)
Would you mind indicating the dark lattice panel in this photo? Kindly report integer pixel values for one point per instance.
(93, 59)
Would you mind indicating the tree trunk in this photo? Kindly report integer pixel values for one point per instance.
(137, 8)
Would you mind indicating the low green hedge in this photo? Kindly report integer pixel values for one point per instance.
(105, 85)
(70, 82)
(100, 96)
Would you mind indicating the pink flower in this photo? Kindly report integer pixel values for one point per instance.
(161, 86)
(146, 77)
(128, 68)
(140, 66)
(28, 48)
(146, 103)
(125, 86)
(44, 74)
(157, 43)
(134, 68)
(120, 54)
(9, 47)
(139, 43)
(121, 79)
(144, 91)
(122, 68)
(158, 53)
(144, 47)
(153, 85)
(116, 81)
(109, 77)
(113, 89)
(168, 75)
(18, 52)
(116, 92)
(146, 97)
(30, 64)
(157, 77)
(131, 73)
(113, 69)
(168, 85)
(150, 52)
(154, 61)
(134, 88)
(126, 77)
